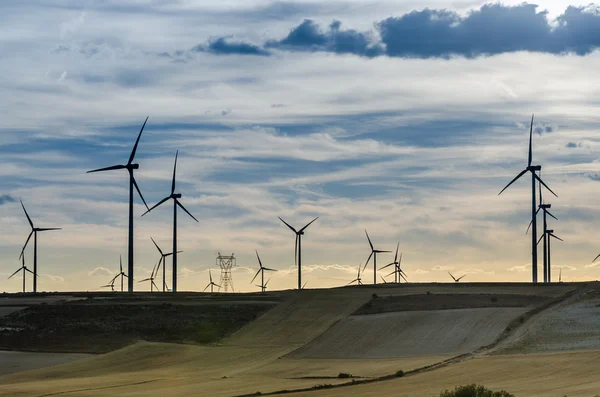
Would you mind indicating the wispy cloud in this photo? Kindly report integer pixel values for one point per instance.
(6, 198)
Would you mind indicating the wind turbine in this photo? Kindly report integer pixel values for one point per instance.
(211, 284)
(544, 207)
(151, 278)
(121, 274)
(163, 262)
(175, 197)
(549, 233)
(396, 263)
(24, 269)
(374, 253)
(34, 232)
(456, 280)
(560, 275)
(357, 280)
(298, 249)
(534, 176)
(111, 285)
(129, 167)
(262, 270)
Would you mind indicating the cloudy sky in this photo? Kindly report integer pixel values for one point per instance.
(405, 118)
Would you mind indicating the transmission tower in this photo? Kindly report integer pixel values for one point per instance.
(226, 262)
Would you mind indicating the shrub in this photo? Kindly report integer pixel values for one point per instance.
(494, 299)
(343, 375)
(399, 374)
(474, 391)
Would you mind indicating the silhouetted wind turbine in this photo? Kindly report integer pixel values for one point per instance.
(262, 270)
(129, 167)
(298, 249)
(560, 275)
(456, 279)
(397, 270)
(163, 262)
(34, 232)
(175, 197)
(374, 253)
(151, 278)
(548, 233)
(111, 285)
(532, 169)
(357, 280)
(544, 207)
(121, 274)
(24, 269)
(211, 284)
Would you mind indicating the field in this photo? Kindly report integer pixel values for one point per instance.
(439, 335)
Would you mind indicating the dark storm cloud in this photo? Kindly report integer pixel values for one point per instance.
(5, 198)
(440, 33)
(308, 36)
(223, 46)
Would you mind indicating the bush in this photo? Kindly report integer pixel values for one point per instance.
(474, 391)
(344, 375)
(399, 374)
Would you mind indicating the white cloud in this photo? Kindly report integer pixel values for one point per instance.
(100, 271)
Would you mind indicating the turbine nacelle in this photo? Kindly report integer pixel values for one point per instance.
(534, 168)
(175, 196)
(133, 166)
(546, 206)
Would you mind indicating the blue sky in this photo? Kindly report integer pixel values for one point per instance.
(404, 118)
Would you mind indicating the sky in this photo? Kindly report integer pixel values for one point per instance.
(404, 118)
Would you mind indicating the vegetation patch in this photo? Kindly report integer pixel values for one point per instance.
(388, 304)
(99, 328)
(474, 390)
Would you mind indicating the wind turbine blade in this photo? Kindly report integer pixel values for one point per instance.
(380, 251)
(28, 270)
(48, 228)
(156, 245)
(396, 256)
(529, 227)
(210, 275)
(381, 268)
(401, 275)
(113, 167)
(140, 193)
(141, 281)
(217, 285)
(596, 258)
(255, 275)
(400, 261)
(530, 143)
(157, 204)
(556, 237)
(352, 281)
(548, 212)
(383, 279)
(114, 278)
(121, 264)
(367, 262)
(188, 212)
(25, 246)
(458, 279)
(136, 143)
(391, 273)
(541, 238)
(156, 286)
(452, 276)
(259, 261)
(368, 238)
(304, 285)
(205, 288)
(267, 283)
(511, 182)
(546, 186)
(308, 224)
(18, 270)
(270, 270)
(174, 169)
(288, 225)
(27, 215)
(540, 190)
(296, 252)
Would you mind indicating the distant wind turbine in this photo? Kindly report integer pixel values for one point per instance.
(548, 234)
(120, 274)
(456, 280)
(373, 254)
(111, 285)
(211, 284)
(262, 271)
(298, 249)
(24, 269)
(164, 264)
(34, 232)
(132, 183)
(398, 272)
(264, 287)
(357, 280)
(175, 197)
(151, 278)
(534, 176)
